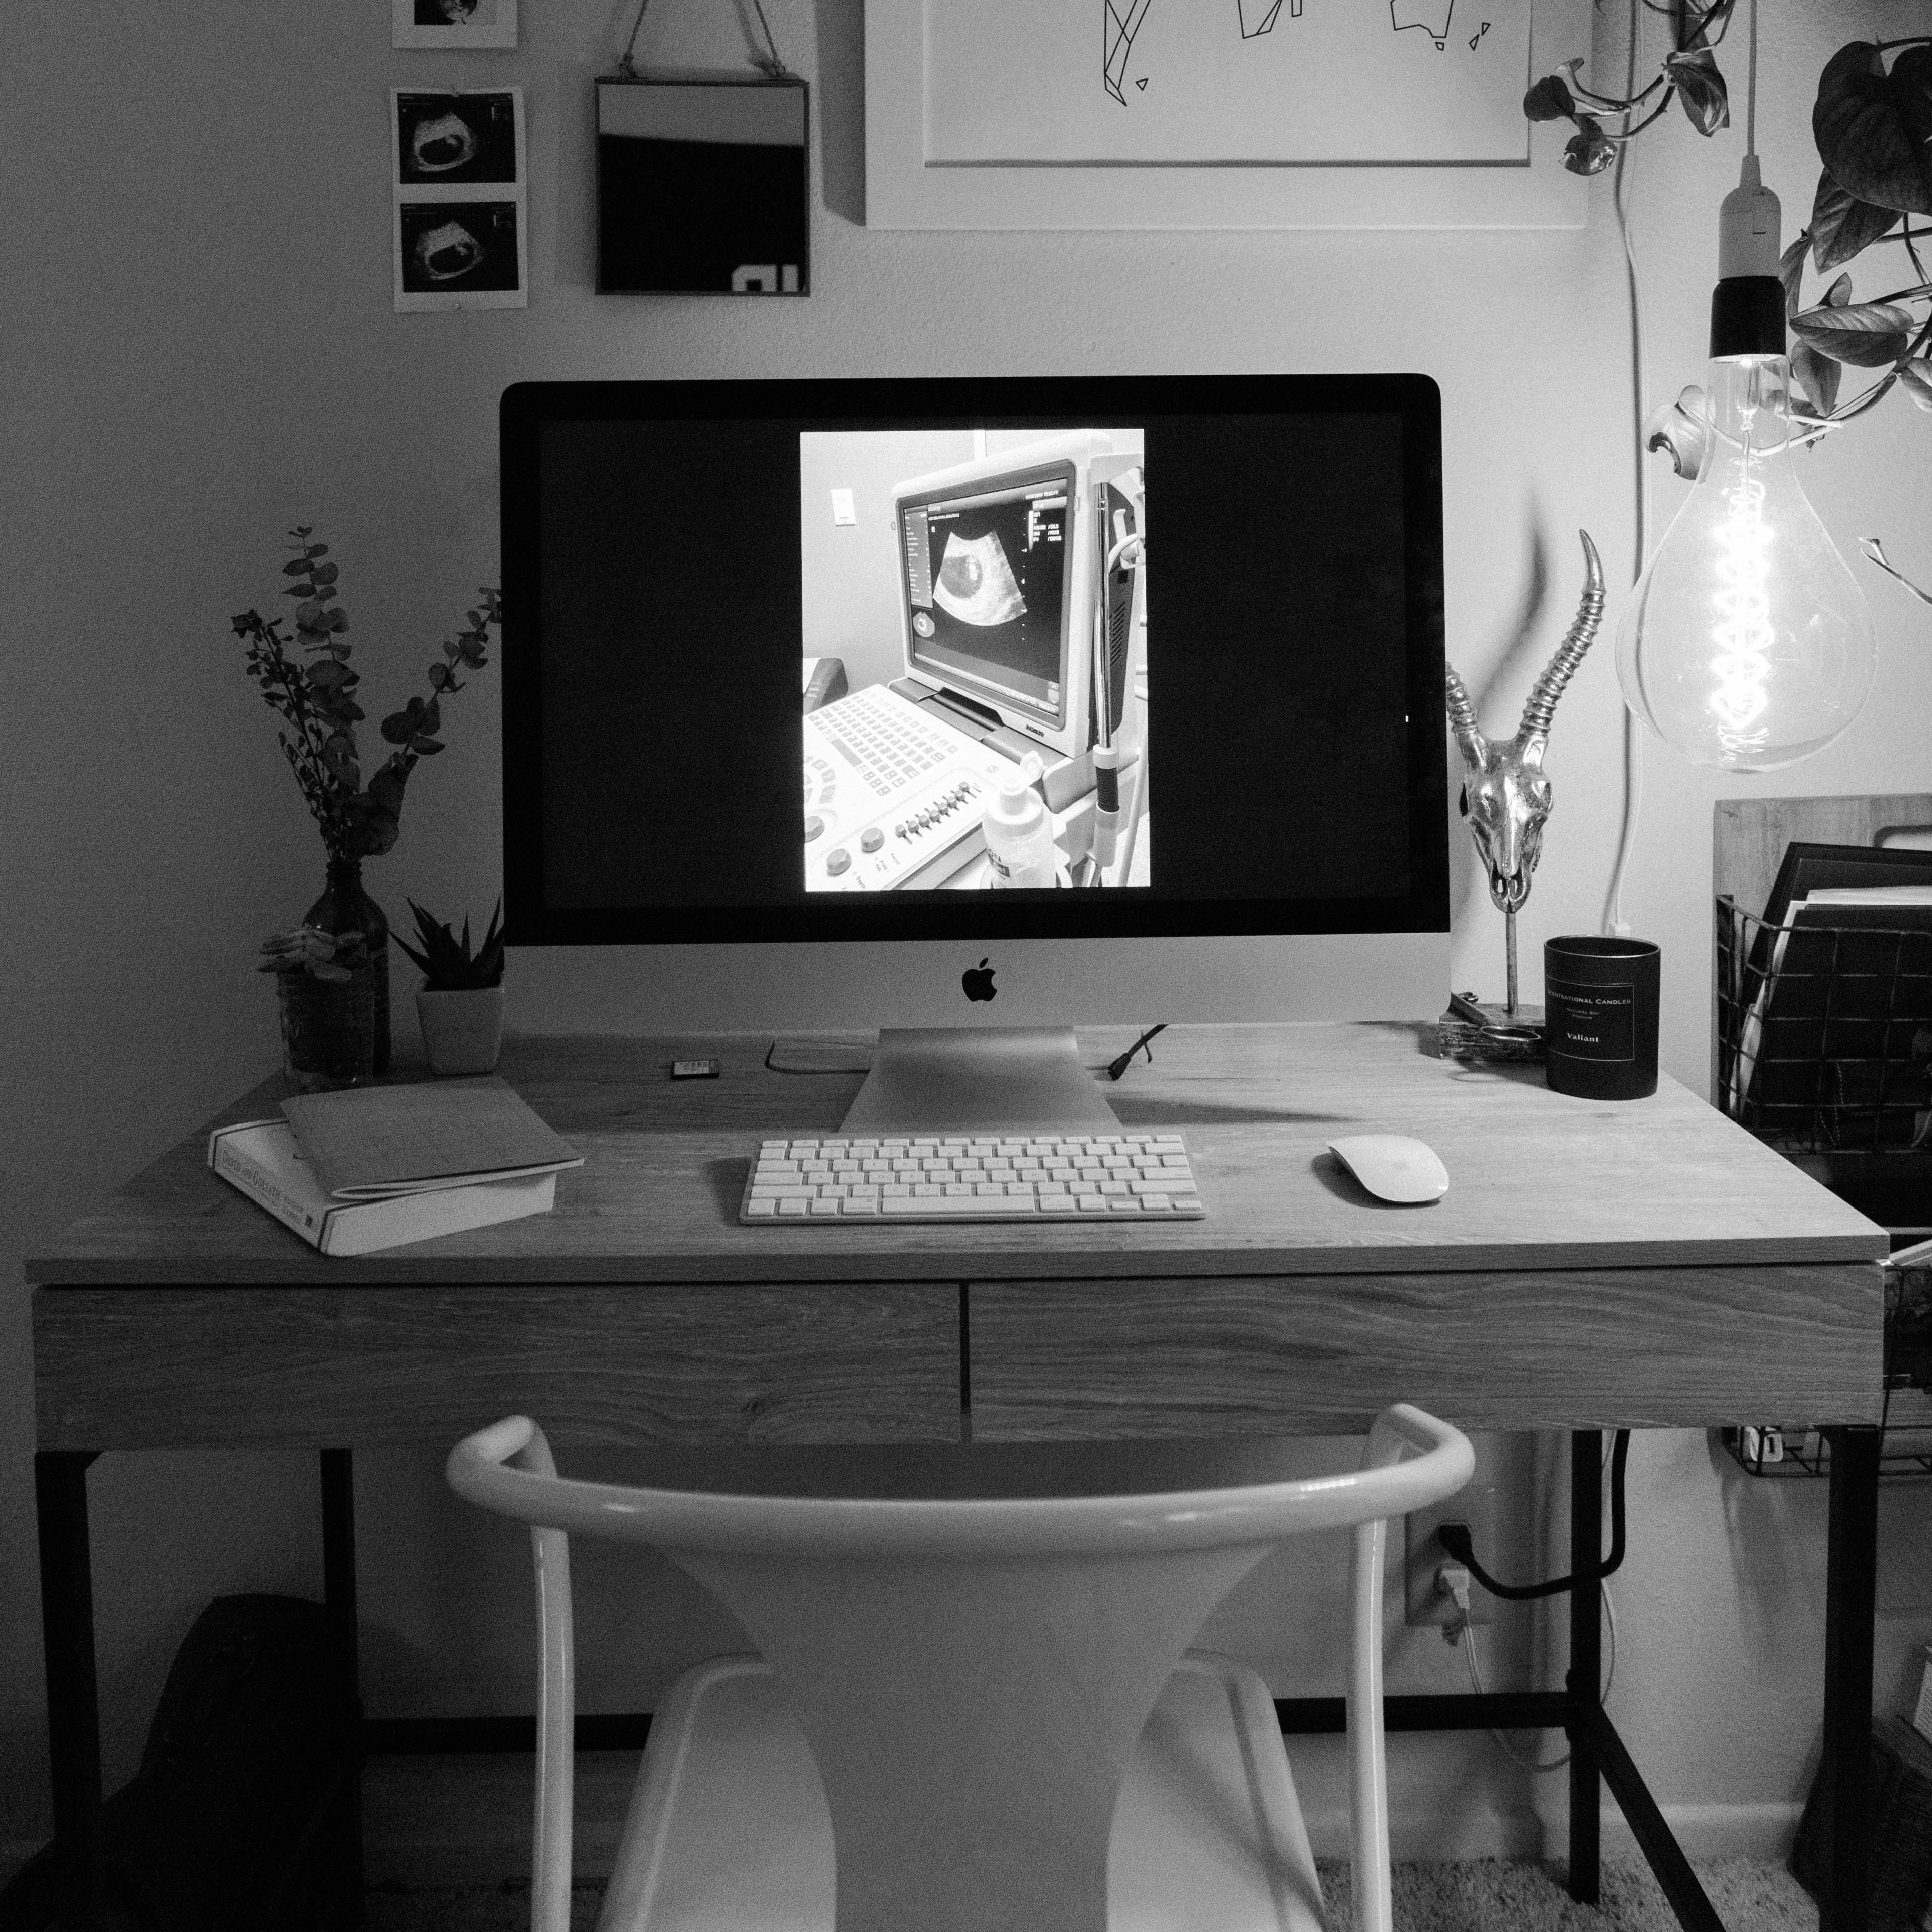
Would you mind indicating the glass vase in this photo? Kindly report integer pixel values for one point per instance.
(329, 1029)
(344, 907)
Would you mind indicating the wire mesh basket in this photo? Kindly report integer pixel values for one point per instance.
(1824, 1032)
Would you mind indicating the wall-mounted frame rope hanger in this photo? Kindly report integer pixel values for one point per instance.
(703, 187)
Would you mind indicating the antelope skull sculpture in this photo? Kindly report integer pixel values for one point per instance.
(1506, 797)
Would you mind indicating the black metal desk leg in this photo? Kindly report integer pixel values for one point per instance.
(74, 1711)
(1585, 1681)
(1850, 1598)
(338, 1598)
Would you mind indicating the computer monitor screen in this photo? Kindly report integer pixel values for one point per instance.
(819, 694)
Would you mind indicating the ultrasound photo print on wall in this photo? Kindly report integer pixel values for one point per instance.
(459, 254)
(454, 138)
(453, 23)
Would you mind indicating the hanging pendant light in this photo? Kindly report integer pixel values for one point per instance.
(1747, 644)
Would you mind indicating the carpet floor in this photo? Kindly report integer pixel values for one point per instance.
(1486, 1895)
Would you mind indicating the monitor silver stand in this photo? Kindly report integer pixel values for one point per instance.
(955, 1080)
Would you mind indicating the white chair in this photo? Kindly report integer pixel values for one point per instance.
(985, 1705)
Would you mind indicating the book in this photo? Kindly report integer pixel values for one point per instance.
(368, 1143)
(1808, 869)
(264, 1160)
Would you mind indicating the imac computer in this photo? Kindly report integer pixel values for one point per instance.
(970, 710)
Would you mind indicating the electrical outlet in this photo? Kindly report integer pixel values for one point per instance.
(1423, 1555)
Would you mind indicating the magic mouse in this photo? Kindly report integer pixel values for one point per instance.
(1393, 1167)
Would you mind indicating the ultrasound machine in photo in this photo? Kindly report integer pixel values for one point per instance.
(1022, 617)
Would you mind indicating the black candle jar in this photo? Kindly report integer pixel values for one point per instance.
(1599, 1000)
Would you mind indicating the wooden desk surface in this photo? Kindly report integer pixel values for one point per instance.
(1592, 1263)
(1537, 1179)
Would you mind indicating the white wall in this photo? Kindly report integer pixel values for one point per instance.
(198, 350)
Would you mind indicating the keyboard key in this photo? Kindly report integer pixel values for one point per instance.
(952, 1207)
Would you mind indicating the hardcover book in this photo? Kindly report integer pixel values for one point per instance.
(262, 1159)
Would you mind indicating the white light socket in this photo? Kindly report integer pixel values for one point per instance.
(1748, 226)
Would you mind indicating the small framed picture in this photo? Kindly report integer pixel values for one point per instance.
(459, 254)
(475, 135)
(453, 23)
(702, 187)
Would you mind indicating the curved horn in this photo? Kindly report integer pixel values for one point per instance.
(1549, 687)
(1462, 713)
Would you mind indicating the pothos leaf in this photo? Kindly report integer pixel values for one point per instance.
(1819, 376)
(1589, 151)
(1791, 271)
(1683, 428)
(1868, 334)
(1707, 104)
(1841, 224)
(1915, 378)
(1872, 128)
(1549, 100)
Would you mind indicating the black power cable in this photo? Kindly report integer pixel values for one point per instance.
(1115, 1068)
(1454, 1537)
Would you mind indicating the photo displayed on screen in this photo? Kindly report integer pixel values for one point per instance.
(976, 675)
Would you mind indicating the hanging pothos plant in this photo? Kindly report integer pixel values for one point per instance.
(1873, 125)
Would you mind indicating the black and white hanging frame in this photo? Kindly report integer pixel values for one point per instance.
(702, 184)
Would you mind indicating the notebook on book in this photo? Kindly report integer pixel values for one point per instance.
(369, 1143)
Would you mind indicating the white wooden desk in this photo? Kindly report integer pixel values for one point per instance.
(1595, 1265)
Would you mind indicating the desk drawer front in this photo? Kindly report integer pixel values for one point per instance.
(1586, 1348)
(158, 1368)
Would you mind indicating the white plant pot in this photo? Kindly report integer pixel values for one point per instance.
(463, 1032)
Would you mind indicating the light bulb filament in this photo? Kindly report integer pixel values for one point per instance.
(1741, 631)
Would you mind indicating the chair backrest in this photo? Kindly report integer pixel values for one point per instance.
(507, 1468)
(835, 1589)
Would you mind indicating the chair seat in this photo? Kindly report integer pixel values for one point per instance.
(729, 1831)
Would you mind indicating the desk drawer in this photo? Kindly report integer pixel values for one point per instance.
(173, 1367)
(1584, 1348)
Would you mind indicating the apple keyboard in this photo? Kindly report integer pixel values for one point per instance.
(1022, 1177)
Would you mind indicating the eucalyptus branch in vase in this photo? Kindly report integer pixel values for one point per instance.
(317, 698)
(309, 681)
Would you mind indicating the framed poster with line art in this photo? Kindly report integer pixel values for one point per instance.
(1012, 114)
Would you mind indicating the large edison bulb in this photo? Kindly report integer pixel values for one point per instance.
(1747, 644)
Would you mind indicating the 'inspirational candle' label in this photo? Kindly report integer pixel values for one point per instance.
(1590, 1022)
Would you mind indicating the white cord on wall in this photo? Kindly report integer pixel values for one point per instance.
(1614, 921)
(1503, 1744)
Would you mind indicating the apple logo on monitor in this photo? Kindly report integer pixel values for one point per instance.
(977, 982)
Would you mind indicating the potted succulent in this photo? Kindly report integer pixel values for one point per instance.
(461, 1003)
(308, 680)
